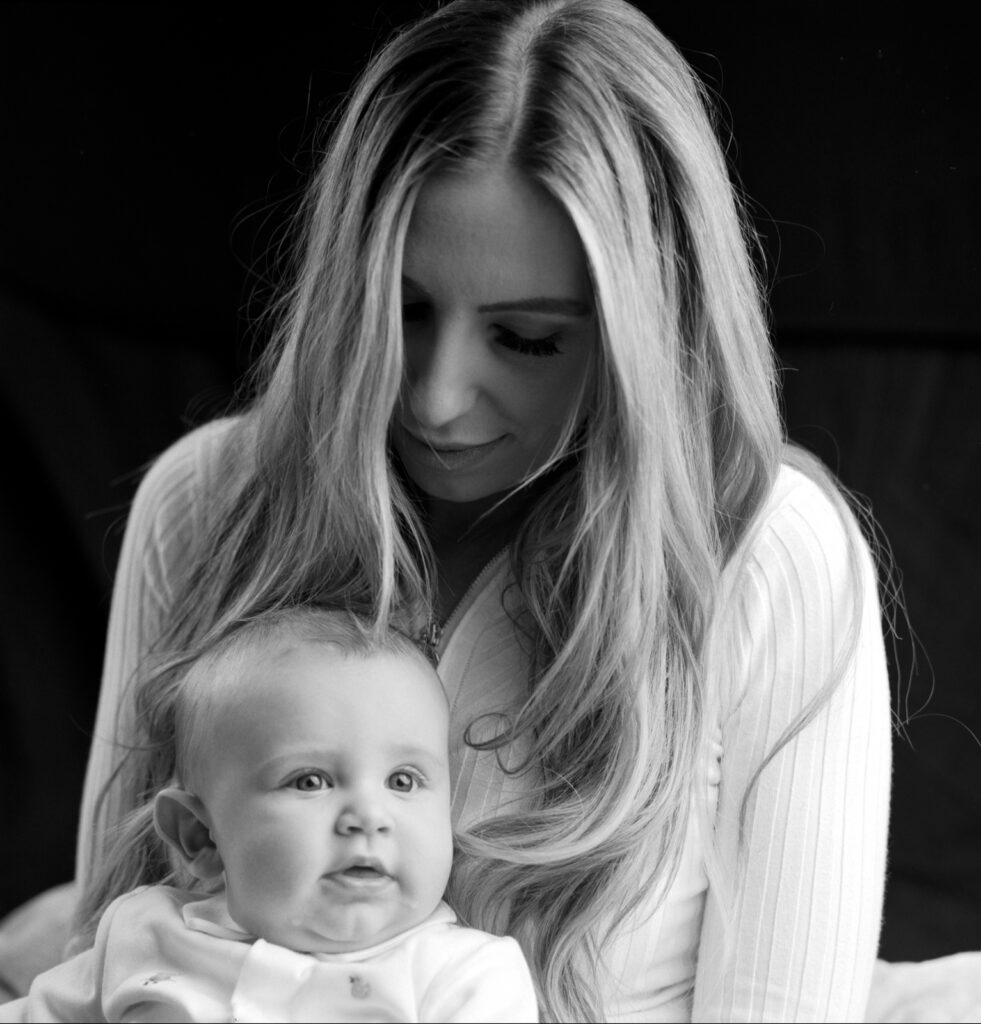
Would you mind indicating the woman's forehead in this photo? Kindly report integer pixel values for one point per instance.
(494, 236)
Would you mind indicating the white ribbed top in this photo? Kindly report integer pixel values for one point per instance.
(803, 936)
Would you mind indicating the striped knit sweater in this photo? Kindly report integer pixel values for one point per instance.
(800, 941)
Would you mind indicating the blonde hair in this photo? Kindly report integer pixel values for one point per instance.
(619, 564)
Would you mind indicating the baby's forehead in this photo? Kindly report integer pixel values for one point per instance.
(287, 670)
(283, 653)
(296, 696)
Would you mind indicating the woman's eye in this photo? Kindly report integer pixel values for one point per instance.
(402, 781)
(527, 346)
(310, 782)
(414, 312)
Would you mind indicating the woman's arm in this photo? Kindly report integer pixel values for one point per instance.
(800, 939)
(166, 519)
(164, 526)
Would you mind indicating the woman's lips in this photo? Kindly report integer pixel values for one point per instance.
(446, 456)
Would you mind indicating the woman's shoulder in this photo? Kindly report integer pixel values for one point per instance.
(199, 455)
(172, 509)
(801, 585)
(806, 523)
(194, 468)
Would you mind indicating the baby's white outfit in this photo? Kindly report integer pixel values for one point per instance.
(162, 954)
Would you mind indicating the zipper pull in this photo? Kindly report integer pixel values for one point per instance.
(429, 639)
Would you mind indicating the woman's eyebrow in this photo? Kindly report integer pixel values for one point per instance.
(539, 304)
(407, 282)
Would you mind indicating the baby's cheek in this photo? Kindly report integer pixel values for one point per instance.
(272, 861)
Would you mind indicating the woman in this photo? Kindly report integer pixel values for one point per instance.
(522, 402)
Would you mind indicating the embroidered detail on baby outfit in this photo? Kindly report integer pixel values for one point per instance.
(155, 979)
(360, 989)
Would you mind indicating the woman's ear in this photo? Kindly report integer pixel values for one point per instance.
(181, 822)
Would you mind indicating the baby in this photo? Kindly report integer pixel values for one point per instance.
(314, 805)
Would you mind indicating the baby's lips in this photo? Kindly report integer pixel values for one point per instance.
(363, 866)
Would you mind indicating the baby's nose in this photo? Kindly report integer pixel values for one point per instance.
(363, 817)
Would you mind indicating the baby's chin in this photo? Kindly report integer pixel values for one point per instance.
(347, 930)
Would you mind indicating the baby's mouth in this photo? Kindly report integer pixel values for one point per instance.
(363, 871)
(366, 873)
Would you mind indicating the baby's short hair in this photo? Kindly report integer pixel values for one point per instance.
(210, 677)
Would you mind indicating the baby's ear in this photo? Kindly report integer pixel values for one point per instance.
(181, 822)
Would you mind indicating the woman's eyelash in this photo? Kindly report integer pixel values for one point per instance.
(415, 312)
(528, 346)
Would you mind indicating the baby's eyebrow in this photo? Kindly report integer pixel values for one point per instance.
(413, 752)
(311, 756)
(320, 756)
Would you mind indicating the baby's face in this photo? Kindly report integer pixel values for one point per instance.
(329, 798)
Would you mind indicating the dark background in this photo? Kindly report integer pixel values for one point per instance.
(151, 155)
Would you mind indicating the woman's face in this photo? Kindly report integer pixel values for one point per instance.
(499, 329)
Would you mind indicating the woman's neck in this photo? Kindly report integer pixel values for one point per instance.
(466, 535)
(455, 522)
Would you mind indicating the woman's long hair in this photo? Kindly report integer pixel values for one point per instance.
(619, 565)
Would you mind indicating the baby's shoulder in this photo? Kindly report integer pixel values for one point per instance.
(146, 904)
(444, 939)
(458, 967)
(140, 921)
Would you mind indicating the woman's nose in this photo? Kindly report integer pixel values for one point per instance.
(443, 376)
(363, 815)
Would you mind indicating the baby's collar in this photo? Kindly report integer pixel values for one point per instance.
(211, 917)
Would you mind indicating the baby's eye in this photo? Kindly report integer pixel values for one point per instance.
(310, 782)
(402, 781)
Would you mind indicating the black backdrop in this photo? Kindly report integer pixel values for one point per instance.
(151, 155)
